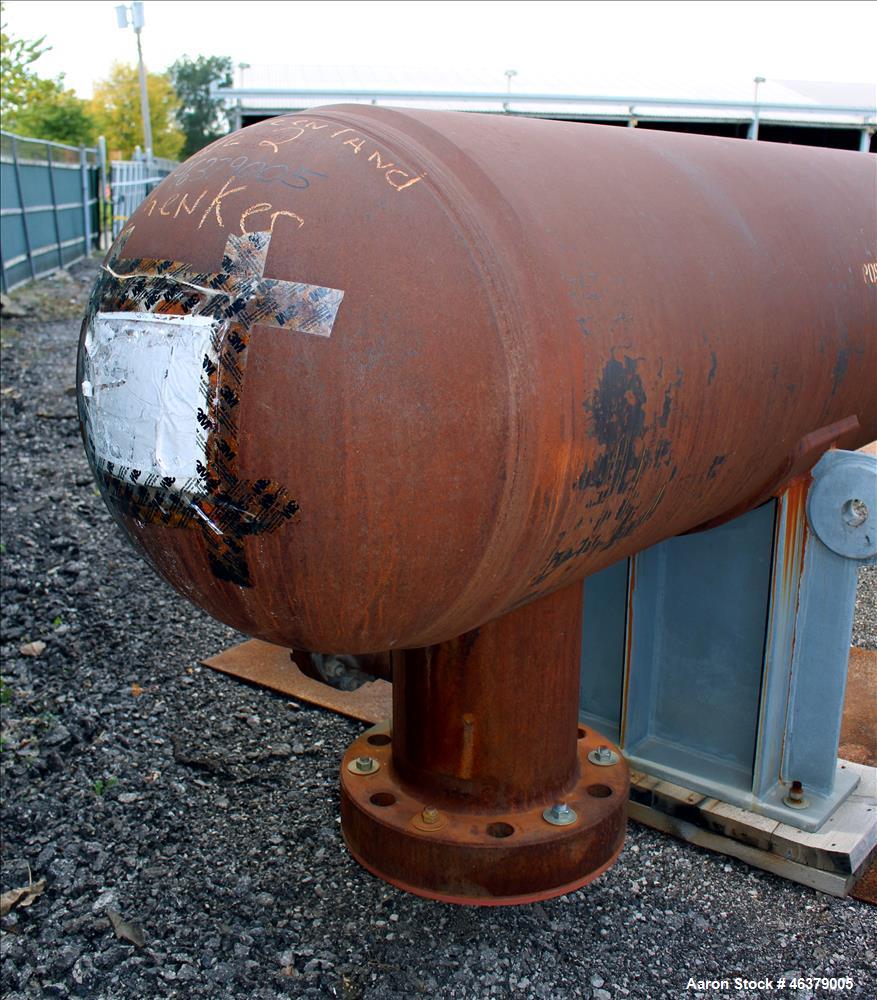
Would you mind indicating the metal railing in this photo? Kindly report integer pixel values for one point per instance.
(131, 181)
(51, 205)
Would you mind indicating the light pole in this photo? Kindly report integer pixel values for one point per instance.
(753, 125)
(133, 14)
(756, 80)
(509, 73)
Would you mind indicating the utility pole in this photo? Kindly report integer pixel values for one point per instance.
(133, 14)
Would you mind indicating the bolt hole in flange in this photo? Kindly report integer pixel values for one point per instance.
(500, 830)
(383, 799)
(380, 740)
(599, 791)
(854, 512)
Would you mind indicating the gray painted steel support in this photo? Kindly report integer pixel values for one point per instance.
(842, 525)
(790, 532)
(719, 659)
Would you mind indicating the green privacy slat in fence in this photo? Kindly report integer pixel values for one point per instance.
(8, 194)
(48, 185)
(35, 183)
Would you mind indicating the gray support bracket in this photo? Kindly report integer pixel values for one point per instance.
(729, 672)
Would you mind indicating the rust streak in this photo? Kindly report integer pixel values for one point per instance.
(468, 752)
(794, 502)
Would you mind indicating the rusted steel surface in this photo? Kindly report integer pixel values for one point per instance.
(452, 363)
(495, 859)
(346, 671)
(858, 735)
(269, 666)
(461, 733)
(484, 738)
(272, 667)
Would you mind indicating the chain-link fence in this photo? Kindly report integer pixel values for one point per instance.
(131, 182)
(51, 205)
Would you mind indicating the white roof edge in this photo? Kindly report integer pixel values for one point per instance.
(265, 98)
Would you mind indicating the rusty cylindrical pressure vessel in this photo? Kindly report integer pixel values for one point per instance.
(424, 367)
(363, 380)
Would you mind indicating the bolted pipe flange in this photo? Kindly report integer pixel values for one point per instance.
(560, 814)
(603, 756)
(363, 765)
(458, 852)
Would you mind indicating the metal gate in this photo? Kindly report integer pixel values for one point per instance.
(131, 181)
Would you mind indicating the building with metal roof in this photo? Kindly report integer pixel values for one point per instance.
(839, 115)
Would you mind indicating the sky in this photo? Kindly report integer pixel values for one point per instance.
(605, 44)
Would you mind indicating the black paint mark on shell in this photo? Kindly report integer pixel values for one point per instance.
(617, 404)
(664, 418)
(618, 421)
(714, 466)
(841, 366)
(845, 353)
(222, 506)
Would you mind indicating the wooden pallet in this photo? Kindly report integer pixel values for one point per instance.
(831, 860)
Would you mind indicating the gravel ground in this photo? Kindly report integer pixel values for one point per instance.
(199, 816)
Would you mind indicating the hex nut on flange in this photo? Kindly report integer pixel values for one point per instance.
(560, 814)
(429, 819)
(363, 765)
(603, 756)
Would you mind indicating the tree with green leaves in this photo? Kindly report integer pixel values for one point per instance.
(32, 106)
(51, 112)
(200, 115)
(17, 76)
(115, 108)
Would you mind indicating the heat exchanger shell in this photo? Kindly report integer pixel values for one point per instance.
(363, 379)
